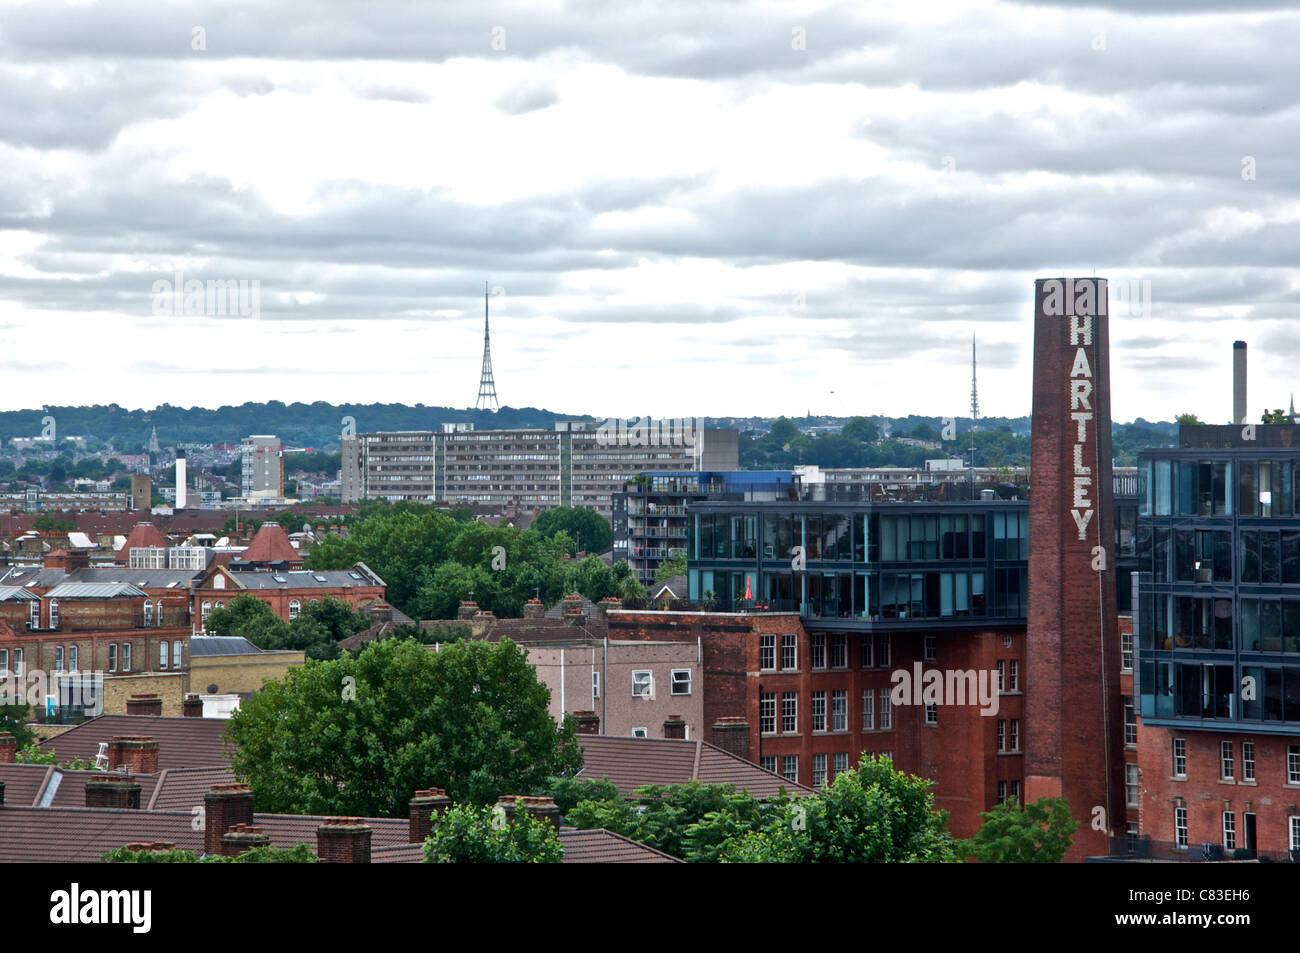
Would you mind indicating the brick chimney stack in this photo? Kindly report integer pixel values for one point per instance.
(241, 838)
(731, 733)
(604, 605)
(466, 611)
(137, 753)
(588, 722)
(144, 705)
(224, 806)
(483, 620)
(121, 791)
(534, 609)
(542, 808)
(506, 805)
(8, 748)
(424, 805)
(192, 707)
(675, 727)
(343, 840)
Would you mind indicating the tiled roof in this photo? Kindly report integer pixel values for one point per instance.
(24, 782)
(631, 763)
(182, 789)
(182, 742)
(81, 834)
(402, 854)
(71, 787)
(271, 544)
(204, 646)
(545, 630)
(606, 847)
(304, 579)
(285, 830)
(142, 535)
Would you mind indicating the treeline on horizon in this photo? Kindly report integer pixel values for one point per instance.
(999, 441)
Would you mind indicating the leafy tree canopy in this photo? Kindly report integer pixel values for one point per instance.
(359, 735)
(1038, 833)
(589, 530)
(472, 834)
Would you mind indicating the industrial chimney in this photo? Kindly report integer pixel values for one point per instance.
(180, 479)
(1239, 410)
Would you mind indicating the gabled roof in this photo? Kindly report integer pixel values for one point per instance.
(271, 544)
(16, 594)
(606, 847)
(142, 535)
(182, 789)
(630, 763)
(182, 742)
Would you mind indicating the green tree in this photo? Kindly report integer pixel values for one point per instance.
(1038, 833)
(54, 523)
(567, 792)
(357, 736)
(862, 430)
(13, 719)
(1187, 420)
(1278, 416)
(671, 567)
(589, 530)
(872, 814)
(471, 834)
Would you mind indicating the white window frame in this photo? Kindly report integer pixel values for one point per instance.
(886, 711)
(4, 663)
(1132, 785)
(54, 613)
(932, 714)
(1180, 757)
(1248, 761)
(646, 678)
(1227, 763)
(1293, 764)
(58, 658)
(839, 763)
(1294, 823)
(178, 654)
(790, 712)
(677, 682)
(1013, 675)
(1002, 792)
(768, 763)
(34, 615)
(1002, 734)
(1130, 723)
(819, 770)
(640, 732)
(1126, 651)
(112, 656)
(767, 652)
(295, 609)
(1013, 735)
(840, 709)
(163, 653)
(19, 663)
(868, 709)
(74, 657)
(817, 650)
(595, 685)
(1229, 830)
(790, 768)
(819, 717)
(126, 656)
(148, 613)
(789, 652)
(1002, 676)
(1180, 828)
(767, 700)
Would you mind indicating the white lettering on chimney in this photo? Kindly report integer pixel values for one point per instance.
(1089, 298)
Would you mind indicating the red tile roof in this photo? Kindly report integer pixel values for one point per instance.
(24, 782)
(144, 534)
(606, 847)
(182, 789)
(630, 763)
(182, 742)
(80, 834)
(271, 544)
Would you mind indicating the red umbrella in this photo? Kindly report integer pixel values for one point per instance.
(749, 592)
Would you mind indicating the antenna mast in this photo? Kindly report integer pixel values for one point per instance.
(487, 388)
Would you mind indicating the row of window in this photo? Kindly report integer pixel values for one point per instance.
(34, 620)
(823, 771)
(170, 654)
(1227, 763)
(1229, 829)
(826, 651)
(1220, 488)
(643, 683)
(838, 712)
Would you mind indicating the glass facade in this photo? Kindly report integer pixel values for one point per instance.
(1217, 626)
(886, 563)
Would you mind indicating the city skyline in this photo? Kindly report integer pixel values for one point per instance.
(819, 201)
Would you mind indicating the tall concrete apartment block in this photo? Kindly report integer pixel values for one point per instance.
(1074, 716)
(262, 469)
(573, 465)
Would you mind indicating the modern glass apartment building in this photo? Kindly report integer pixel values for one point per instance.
(864, 565)
(1218, 622)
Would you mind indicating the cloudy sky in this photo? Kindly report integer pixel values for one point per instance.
(696, 207)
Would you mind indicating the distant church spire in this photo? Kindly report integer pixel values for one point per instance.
(153, 441)
(487, 388)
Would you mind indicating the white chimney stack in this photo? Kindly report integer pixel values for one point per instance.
(180, 479)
